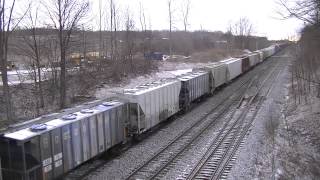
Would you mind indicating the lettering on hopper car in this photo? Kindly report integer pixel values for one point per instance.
(71, 138)
(47, 161)
(57, 156)
(58, 163)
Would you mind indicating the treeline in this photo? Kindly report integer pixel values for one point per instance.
(306, 67)
(86, 41)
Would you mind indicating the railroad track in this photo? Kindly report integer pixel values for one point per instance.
(231, 157)
(163, 159)
(215, 164)
(176, 146)
(223, 139)
(83, 171)
(88, 169)
(91, 167)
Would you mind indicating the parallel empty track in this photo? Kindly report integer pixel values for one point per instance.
(215, 164)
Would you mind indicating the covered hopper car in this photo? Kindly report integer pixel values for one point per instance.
(254, 58)
(234, 67)
(50, 149)
(193, 86)
(218, 74)
(151, 103)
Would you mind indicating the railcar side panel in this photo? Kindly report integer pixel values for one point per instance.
(100, 131)
(234, 68)
(107, 128)
(254, 59)
(120, 128)
(217, 74)
(76, 144)
(93, 135)
(57, 152)
(46, 156)
(67, 148)
(85, 139)
(114, 124)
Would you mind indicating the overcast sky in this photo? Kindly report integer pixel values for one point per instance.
(214, 15)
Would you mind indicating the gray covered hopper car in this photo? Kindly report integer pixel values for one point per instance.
(48, 150)
(194, 85)
(254, 58)
(267, 52)
(217, 74)
(234, 67)
(151, 103)
(260, 55)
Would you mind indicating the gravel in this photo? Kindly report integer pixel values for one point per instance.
(254, 159)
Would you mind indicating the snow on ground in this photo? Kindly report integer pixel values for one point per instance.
(254, 159)
(284, 139)
(169, 66)
(24, 76)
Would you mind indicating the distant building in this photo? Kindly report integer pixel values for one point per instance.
(77, 58)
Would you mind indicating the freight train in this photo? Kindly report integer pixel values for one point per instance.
(50, 146)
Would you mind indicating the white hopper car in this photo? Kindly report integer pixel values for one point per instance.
(234, 67)
(151, 103)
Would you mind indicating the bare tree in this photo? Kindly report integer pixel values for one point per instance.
(8, 23)
(65, 16)
(242, 29)
(129, 39)
(113, 29)
(146, 37)
(143, 24)
(170, 15)
(52, 55)
(84, 59)
(305, 70)
(32, 46)
(185, 13)
(114, 49)
(100, 30)
(307, 11)
(229, 37)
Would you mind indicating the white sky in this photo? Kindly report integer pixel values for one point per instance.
(214, 15)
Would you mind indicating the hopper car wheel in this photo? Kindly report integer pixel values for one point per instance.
(186, 108)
